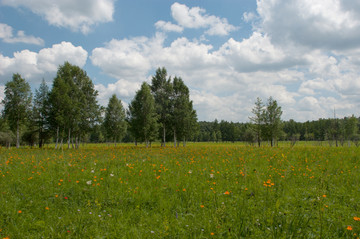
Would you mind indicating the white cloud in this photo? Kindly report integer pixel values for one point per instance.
(197, 18)
(6, 34)
(127, 58)
(168, 26)
(33, 66)
(125, 90)
(325, 24)
(75, 15)
(307, 78)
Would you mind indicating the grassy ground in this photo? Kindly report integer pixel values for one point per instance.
(200, 191)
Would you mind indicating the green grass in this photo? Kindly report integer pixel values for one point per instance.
(200, 191)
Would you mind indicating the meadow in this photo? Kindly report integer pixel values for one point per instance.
(199, 191)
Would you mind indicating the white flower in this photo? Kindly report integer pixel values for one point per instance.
(211, 175)
(88, 182)
(111, 175)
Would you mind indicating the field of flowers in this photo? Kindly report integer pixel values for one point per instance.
(200, 191)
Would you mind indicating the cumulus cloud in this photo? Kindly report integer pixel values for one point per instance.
(122, 88)
(294, 54)
(196, 17)
(75, 15)
(6, 34)
(325, 24)
(168, 26)
(33, 66)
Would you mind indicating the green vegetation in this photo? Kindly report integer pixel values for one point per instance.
(200, 191)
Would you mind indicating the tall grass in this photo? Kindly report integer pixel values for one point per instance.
(200, 191)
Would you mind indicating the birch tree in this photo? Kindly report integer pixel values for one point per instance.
(17, 104)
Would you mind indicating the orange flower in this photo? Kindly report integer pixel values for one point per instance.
(226, 193)
(19, 211)
(324, 196)
(202, 206)
(184, 190)
(357, 218)
(47, 208)
(212, 234)
(349, 228)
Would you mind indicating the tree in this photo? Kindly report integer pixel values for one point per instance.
(142, 115)
(184, 117)
(272, 120)
(351, 128)
(258, 119)
(161, 89)
(74, 107)
(41, 111)
(114, 121)
(17, 104)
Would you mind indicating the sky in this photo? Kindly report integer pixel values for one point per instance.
(303, 53)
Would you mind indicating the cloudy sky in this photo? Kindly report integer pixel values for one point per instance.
(304, 53)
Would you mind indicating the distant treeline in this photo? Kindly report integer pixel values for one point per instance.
(336, 131)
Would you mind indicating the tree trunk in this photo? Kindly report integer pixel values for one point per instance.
(40, 137)
(17, 134)
(57, 137)
(164, 135)
(174, 138)
(69, 138)
(184, 142)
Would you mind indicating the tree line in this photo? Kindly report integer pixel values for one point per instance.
(69, 113)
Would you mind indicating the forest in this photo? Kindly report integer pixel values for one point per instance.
(68, 114)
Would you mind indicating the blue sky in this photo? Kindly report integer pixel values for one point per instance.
(303, 53)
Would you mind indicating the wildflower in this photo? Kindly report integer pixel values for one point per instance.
(226, 193)
(66, 198)
(47, 208)
(111, 175)
(19, 211)
(324, 196)
(212, 234)
(349, 228)
(88, 182)
(357, 218)
(202, 206)
(184, 190)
